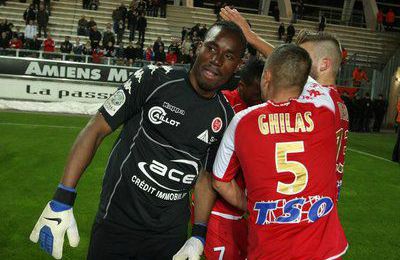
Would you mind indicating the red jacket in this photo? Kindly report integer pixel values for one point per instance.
(171, 58)
(16, 44)
(390, 16)
(379, 17)
(49, 45)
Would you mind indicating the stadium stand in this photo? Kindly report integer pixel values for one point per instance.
(365, 48)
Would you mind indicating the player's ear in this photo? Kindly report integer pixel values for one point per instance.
(325, 64)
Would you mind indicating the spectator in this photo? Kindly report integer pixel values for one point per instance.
(368, 112)
(78, 47)
(48, 44)
(30, 30)
(379, 21)
(358, 113)
(116, 16)
(94, 4)
(174, 46)
(186, 45)
(184, 32)
(195, 30)
(159, 56)
(344, 55)
(138, 50)
(141, 27)
(108, 36)
(109, 50)
(390, 17)
(290, 32)
(149, 53)
(3, 2)
(358, 76)
(149, 8)
(123, 12)
(156, 7)
(281, 31)
(217, 9)
(185, 57)
(97, 55)
(42, 20)
(132, 21)
(133, 5)
(202, 32)
(129, 53)
(87, 49)
(4, 41)
(90, 24)
(66, 46)
(379, 106)
(120, 31)
(35, 44)
(95, 37)
(47, 7)
(322, 23)
(296, 10)
(20, 35)
(120, 51)
(141, 7)
(15, 43)
(157, 44)
(85, 4)
(171, 57)
(29, 14)
(163, 8)
(5, 26)
(275, 13)
(82, 26)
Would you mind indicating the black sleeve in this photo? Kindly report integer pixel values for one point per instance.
(128, 99)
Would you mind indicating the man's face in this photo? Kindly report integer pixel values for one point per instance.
(310, 48)
(250, 94)
(217, 59)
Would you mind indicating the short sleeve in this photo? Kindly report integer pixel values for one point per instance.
(226, 163)
(128, 99)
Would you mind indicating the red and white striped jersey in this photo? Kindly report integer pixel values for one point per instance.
(287, 152)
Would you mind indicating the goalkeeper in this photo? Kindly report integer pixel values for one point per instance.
(172, 126)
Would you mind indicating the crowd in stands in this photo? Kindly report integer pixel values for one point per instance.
(388, 19)
(364, 112)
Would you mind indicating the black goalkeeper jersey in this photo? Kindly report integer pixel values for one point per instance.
(170, 135)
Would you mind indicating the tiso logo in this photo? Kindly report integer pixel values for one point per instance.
(157, 115)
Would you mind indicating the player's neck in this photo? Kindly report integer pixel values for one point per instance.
(326, 80)
(281, 96)
(204, 93)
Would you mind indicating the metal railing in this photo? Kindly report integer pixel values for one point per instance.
(119, 61)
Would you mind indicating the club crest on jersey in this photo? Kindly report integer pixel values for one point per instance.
(216, 124)
(157, 115)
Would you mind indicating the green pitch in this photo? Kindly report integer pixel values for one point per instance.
(33, 150)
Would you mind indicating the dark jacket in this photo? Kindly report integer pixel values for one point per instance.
(94, 36)
(66, 47)
(132, 20)
(42, 18)
(141, 23)
(108, 37)
(29, 14)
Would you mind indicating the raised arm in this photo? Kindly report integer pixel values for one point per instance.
(254, 39)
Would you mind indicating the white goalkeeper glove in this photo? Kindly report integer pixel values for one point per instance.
(56, 219)
(192, 250)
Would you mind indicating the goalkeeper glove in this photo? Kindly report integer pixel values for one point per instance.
(56, 219)
(193, 248)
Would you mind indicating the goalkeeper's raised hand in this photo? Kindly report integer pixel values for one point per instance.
(56, 219)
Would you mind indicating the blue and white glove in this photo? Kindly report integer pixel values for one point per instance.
(194, 246)
(56, 219)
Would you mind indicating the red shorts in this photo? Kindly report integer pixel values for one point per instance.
(226, 239)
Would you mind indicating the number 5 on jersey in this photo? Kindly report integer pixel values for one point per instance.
(283, 165)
